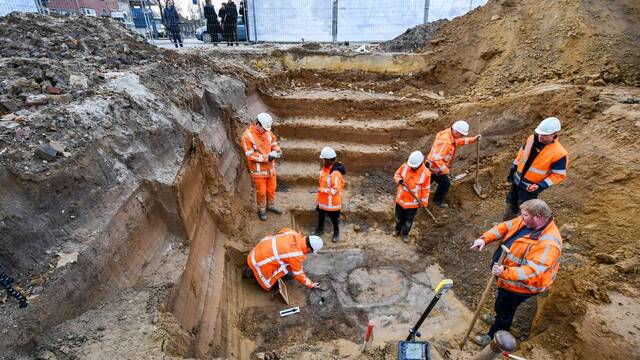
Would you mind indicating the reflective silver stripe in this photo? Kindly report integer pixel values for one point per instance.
(548, 181)
(298, 272)
(561, 172)
(447, 157)
(327, 207)
(515, 162)
(249, 152)
(514, 258)
(413, 202)
(539, 269)
(404, 170)
(282, 256)
(467, 141)
(260, 172)
(257, 267)
(517, 179)
(509, 224)
(423, 176)
(524, 286)
(552, 238)
(521, 274)
(496, 233)
(544, 255)
(537, 171)
(330, 197)
(527, 150)
(443, 168)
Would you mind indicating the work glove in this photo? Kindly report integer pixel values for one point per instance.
(478, 137)
(401, 181)
(315, 286)
(497, 269)
(273, 155)
(478, 244)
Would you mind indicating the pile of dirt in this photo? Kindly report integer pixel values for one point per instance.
(413, 39)
(82, 39)
(506, 43)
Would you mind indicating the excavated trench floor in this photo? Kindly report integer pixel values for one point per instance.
(369, 274)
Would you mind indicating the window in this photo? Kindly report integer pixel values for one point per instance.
(88, 11)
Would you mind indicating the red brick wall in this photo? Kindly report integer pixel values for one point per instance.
(97, 5)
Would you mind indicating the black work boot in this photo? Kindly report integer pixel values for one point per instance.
(336, 236)
(262, 215)
(274, 209)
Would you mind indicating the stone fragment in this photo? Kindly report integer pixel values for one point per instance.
(495, 17)
(61, 99)
(627, 265)
(58, 146)
(9, 124)
(46, 152)
(604, 258)
(599, 82)
(77, 81)
(8, 103)
(54, 90)
(36, 100)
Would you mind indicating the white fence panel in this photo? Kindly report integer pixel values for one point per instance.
(9, 6)
(290, 20)
(448, 9)
(377, 20)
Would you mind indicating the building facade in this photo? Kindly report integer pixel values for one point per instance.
(84, 7)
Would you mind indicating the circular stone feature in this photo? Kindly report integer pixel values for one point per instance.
(378, 286)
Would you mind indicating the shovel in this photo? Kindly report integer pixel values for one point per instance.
(476, 185)
(485, 293)
(422, 206)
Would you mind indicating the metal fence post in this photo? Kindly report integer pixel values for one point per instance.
(255, 29)
(334, 21)
(426, 11)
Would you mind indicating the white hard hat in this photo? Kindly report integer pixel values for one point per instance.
(461, 126)
(327, 153)
(316, 243)
(415, 159)
(265, 120)
(548, 126)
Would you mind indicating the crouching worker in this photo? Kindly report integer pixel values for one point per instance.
(330, 192)
(530, 268)
(281, 256)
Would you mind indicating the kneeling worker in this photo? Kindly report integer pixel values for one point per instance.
(281, 256)
(414, 175)
(330, 191)
(535, 245)
(442, 153)
(261, 149)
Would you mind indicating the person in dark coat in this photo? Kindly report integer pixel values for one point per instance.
(213, 26)
(221, 14)
(231, 23)
(172, 22)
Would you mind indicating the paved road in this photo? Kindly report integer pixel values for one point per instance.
(189, 43)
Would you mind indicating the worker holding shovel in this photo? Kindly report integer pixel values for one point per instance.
(442, 154)
(414, 183)
(530, 266)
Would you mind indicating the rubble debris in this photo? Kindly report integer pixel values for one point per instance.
(46, 152)
(66, 258)
(413, 39)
